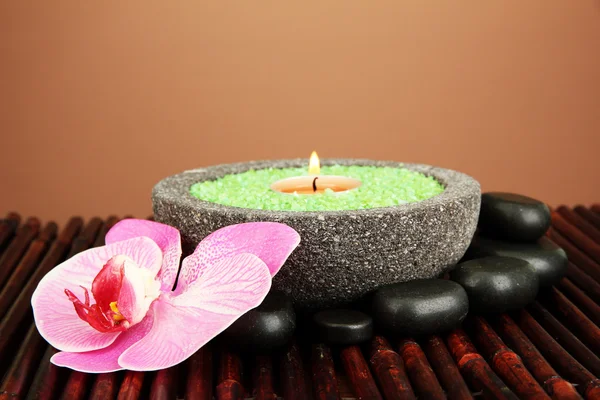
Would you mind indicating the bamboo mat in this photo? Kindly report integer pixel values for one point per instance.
(551, 348)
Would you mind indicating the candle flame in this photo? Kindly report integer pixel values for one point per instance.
(314, 166)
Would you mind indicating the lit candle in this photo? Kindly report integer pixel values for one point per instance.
(315, 183)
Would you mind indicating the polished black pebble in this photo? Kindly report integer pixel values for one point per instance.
(549, 261)
(513, 217)
(341, 326)
(420, 307)
(497, 284)
(268, 326)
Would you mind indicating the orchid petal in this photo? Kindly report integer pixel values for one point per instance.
(55, 315)
(165, 236)
(228, 286)
(106, 359)
(137, 293)
(185, 323)
(272, 242)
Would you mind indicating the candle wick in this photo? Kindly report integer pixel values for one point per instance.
(315, 184)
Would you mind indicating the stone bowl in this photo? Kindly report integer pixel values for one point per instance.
(343, 255)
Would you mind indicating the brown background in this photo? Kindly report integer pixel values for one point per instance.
(100, 100)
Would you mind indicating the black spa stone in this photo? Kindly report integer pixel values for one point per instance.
(513, 217)
(342, 326)
(549, 261)
(497, 284)
(268, 326)
(420, 307)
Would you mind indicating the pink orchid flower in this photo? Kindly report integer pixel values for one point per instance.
(132, 319)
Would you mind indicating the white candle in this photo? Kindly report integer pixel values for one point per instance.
(315, 183)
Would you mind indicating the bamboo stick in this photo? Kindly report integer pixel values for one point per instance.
(584, 281)
(580, 223)
(421, 375)
(19, 310)
(164, 384)
(474, 368)
(105, 386)
(569, 314)
(580, 239)
(446, 369)
(505, 362)
(110, 222)
(293, 375)
(26, 266)
(323, 372)
(8, 227)
(46, 378)
(576, 256)
(200, 373)
(17, 247)
(358, 373)
(131, 388)
(229, 384)
(583, 302)
(263, 378)
(557, 387)
(76, 387)
(389, 370)
(18, 377)
(591, 215)
(564, 362)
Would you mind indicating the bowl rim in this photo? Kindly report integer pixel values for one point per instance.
(176, 188)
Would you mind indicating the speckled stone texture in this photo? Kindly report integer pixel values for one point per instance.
(343, 254)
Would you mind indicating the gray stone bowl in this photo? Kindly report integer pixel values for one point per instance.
(343, 255)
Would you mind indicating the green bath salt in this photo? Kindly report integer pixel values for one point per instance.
(381, 187)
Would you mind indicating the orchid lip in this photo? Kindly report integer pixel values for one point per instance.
(123, 293)
(98, 319)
